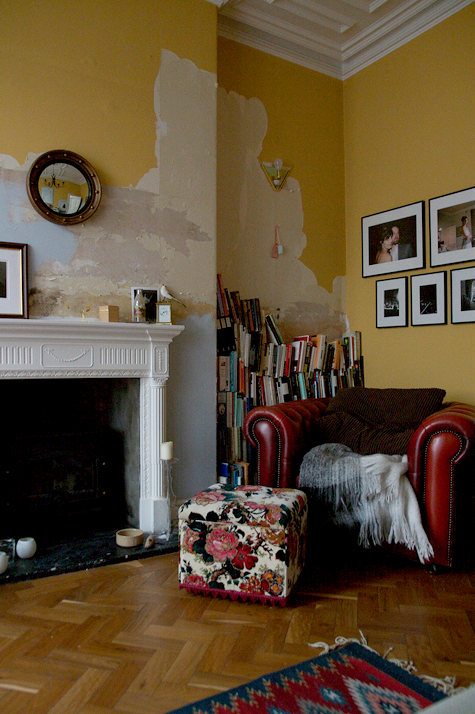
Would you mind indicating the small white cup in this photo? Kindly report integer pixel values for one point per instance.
(3, 561)
(26, 547)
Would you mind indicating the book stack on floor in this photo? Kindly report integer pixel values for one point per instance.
(257, 367)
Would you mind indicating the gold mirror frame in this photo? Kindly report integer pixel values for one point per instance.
(62, 156)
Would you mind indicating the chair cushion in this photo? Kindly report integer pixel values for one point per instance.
(372, 421)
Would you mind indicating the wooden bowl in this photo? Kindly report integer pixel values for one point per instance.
(128, 537)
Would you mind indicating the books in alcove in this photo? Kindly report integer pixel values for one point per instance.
(255, 366)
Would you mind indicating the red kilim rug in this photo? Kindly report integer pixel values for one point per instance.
(350, 680)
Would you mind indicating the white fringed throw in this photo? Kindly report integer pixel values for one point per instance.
(371, 491)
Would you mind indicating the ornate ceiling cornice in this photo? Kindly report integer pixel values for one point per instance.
(335, 37)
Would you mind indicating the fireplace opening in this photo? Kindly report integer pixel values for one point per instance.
(63, 484)
(63, 464)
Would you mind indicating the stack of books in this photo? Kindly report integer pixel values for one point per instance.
(255, 366)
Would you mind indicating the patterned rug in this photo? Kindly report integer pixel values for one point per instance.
(352, 679)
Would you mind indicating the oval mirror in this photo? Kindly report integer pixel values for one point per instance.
(63, 187)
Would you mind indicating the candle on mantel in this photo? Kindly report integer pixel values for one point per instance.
(166, 450)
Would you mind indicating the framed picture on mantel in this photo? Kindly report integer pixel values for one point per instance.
(13, 280)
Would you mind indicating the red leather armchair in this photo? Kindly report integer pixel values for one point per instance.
(441, 459)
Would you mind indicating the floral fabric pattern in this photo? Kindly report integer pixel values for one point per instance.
(245, 540)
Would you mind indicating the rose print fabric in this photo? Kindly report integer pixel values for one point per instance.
(243, 541)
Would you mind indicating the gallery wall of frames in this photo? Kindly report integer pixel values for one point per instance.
(393, 241)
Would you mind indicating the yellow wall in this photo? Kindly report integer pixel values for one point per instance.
(305, 130)
(80, 75)
(131, 86)
(409, 136)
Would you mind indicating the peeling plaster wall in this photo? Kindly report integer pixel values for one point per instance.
(248, 211)
(161, 231)
(304, 127)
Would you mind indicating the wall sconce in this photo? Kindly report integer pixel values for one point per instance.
(276, 173)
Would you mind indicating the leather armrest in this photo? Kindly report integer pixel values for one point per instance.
(441, 457)
(282, 434)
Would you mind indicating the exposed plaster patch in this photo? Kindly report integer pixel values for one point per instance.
(22, 224)
(139, 220)
(249, 211)
(8, 162)
(185, 104)
(162, 231)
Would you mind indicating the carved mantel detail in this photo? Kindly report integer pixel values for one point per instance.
(55, 348)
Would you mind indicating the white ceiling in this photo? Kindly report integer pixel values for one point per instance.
(336, 37)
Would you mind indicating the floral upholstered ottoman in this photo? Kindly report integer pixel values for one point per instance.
(244, 542)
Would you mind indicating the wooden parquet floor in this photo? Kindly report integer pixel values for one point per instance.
(124, 638)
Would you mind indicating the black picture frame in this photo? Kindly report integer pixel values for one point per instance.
(380, 232)
(14, 280)
(463, 294)
(391, 302)
(448, 233)
(428, 299)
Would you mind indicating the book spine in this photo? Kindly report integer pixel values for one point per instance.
(255, 366)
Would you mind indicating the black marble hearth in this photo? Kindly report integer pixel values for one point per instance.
(82, 553)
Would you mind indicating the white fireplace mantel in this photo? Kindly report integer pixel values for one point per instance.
(52, 348)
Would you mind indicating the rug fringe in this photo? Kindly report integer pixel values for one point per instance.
(339, 642)
(445, 684)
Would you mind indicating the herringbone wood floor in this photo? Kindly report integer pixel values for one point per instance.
(124, 638)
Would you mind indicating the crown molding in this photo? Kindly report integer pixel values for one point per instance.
(319, 61)
(329, 52)
(397, 30)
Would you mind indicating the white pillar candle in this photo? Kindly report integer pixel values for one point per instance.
(166, 450)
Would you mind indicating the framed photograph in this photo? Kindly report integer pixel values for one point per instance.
(463, 294)
(452, 227)
(391, 302)
(428, 299)
(164, 313)
(393, 240)
(13, 280)
(150, 299)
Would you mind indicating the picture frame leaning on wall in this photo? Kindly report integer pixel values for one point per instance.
(150, 299)
(452, 227)
(14, 280)
(393, 240)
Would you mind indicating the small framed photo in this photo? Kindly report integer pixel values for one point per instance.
(391, 302)
(150, 298)
(13, 280)
(164, 313)
(393, 240)
(452, 227)
(463, 294)
(428, 301)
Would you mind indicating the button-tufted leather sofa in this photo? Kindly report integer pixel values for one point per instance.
(441, 457)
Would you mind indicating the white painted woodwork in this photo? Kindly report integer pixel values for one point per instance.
(55, 348)
(336, 37)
